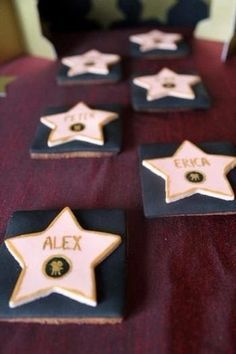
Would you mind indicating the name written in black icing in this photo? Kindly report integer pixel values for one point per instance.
(193, 162)
(66, 242)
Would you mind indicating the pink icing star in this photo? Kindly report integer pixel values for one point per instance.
(156, 40)
(60, 259)
(190, 170)
(167, 83)
(78, 123)
(92, 61)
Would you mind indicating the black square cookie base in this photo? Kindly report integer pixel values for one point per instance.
(112, 136)
(114, 75)
(182, 50)
(55, 308)
(153, 186)
(167, 104)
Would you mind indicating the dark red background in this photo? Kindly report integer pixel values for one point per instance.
(181, 287)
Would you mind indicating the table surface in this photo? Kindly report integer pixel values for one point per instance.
(181, 272)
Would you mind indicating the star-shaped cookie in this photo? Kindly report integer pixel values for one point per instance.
(78, 123)
(168, 83)
(61, 259)
(156, 40)
(190, 170)
(92, 61)
(4, 81)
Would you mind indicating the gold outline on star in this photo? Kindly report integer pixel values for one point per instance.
(77, 137)
(57, 289)
(209, 192)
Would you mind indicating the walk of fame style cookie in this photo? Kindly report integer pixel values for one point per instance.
(61, 259)
(156, 43)
(90, 67)
(190, 181)
(167, 91)
(78, 132)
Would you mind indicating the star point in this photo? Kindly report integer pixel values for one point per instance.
(167, 83)
(4, 81)
(61, 259)
(78, 123)
(93, 62)
(190, 171)
(156, 40)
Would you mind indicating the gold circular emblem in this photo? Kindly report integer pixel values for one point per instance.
(56, 266)
(169, 85)
(90, 63)
(195, 177)
(77, 127)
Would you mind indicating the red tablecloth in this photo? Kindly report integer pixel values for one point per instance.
(181, 286)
